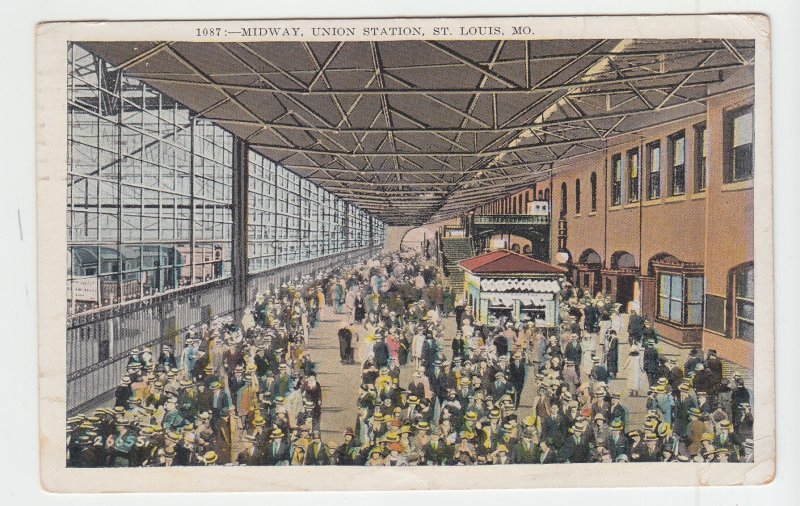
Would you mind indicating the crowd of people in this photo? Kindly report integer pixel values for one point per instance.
(505, 392)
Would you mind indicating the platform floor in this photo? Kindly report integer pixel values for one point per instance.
(340, 383)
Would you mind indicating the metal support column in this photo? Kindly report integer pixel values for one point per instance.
(239, 246)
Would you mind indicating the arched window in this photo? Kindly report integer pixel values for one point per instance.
(547, 194)
(540, 196)
(593, 184)
(521, 204)
(577, 196)
(623, 260)
(563, 199)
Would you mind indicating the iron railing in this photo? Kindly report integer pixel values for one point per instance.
(511, 219)
(99, 343)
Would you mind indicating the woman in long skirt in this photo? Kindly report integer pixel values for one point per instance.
(634, 368)
(359, 308)
(588, 348)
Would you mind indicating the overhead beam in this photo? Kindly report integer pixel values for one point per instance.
(523, 147)
(508, 61)
(466, 61)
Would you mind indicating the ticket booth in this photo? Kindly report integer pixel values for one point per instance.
(503, 283)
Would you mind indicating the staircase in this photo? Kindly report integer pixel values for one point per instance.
(454, 250)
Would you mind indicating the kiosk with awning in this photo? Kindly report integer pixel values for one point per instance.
(504, 283)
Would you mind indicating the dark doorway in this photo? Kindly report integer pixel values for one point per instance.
(598, 284)
(624, 291)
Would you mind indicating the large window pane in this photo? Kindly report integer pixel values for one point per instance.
(130, 167)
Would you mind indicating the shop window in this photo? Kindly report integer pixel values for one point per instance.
(616, 180)
(593, 184)
(743, 303)
(680, 298)
(700, 157)
(654, 171)
(633, 175)
(677, 163)
(739, 145)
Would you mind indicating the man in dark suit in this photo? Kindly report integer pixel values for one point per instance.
(436, 452)
(714, 366)
(167, 360)
(345, 338)
(429, 354)
(651, 364)
(347, 452)
(618, 442)
(612, 354)
(650, 452)
(220, 405)
(599, 373)
(547, 454)
(635, 445)
(576, 448)
(574, 353)
(250, 455)
(459, 346)
(692, 361)
(277, 450)
(554, 427)
(517, 371)
(500, 387)
(439, 381)
(317, 453)
(702, 380)
(123, 393)
(617, 411)
(381, 351)
(635, 327)
(526, 451)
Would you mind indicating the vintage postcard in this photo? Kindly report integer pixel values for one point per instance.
(297, 253)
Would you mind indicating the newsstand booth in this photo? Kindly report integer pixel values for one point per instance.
(504, 283)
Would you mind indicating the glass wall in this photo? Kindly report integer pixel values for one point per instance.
(149, 196)
(290, 219)
(148, 193)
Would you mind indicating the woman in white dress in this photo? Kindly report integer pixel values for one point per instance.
(616, 318)
(357, 346)
(588, 349)
(634, 368)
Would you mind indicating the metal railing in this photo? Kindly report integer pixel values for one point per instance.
(511, 219)
(99, 343)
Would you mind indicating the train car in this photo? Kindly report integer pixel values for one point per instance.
(103, 275)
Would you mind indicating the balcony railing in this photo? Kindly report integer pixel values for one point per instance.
(511, 219)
